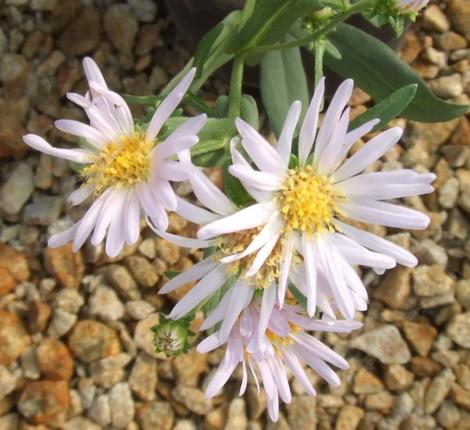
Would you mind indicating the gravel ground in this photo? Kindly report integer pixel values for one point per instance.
(75, 349)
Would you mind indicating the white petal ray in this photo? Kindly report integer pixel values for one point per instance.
(309, 126)
(369, 153)
(309, 253)
(92, 71)
(217, 314)
(191, 127)
(267, 304)
(319, 366)
(171, 170)
(171, 146)
(194, 213)
(262, 181)
(60, 239)
(163, 192)
(116, 237)
(196, 272)
(77, 155)
(168, 105)
(261, 152)
(184, 242)
(287, 255)
(76, 128)
(284, 144)
(132, 218)
(250, 217)
(262, 255)
(80, 195)
(294, 365)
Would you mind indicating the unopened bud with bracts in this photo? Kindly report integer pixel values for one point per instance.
(171, 337)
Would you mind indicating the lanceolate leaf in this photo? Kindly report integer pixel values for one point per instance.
(233, 188)
(388, 109)
(283, 81)
(379, 72)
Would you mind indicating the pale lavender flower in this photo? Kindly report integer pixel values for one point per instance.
(410, 6)
(285, 346)
(126, 171)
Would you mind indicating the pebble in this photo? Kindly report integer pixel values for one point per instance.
(447, 86)
(108, 371)
(139, 309)
(143, 272)
(459, 15)
(349, 418)
(69, 300)
(397, 377)
(80, 423)
(91, 340)
(45, 402)
(143, 336)
(144, 10)
(17, 190)
(66, 266)
(121, 27)
(100, 410)
(431, 281)
(144, 377)
(301, 413)
(449, 193)
(421, 336)
(7, 382)
(122, 281)
(43, 210)
(462, 293)
(121, 404)
(189, 367)
(381, 402)
(54, 360)
(14, 268)
(156, 415)
(105, 304)
(451, 41)
(429, 252)
(458, 329)
(366, 382)
(193, 399)
(435, 19)
(147, 248)
(10, 422)
(385, 344)
(61, 323)
(236, 416)
(448, 415)
(438, 390)
(395, 288)
(14, 339)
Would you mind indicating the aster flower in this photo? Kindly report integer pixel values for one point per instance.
(285, 346)
(410, 6)
(301, 218)
(126, 170)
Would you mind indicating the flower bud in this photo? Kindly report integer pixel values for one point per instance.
(171, 337)
(410, 7)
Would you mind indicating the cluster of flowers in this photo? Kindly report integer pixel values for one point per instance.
(297, 231)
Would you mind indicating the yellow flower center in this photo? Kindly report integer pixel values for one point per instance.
(307, 201)
(235, 243)
(121, 164)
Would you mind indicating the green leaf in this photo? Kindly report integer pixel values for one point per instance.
(233, 187)
(221, 106)
(379, 72)
(388, 109)
(270, 21)
(283, 80)
(142, 100)
(249, 111)
(170, 274)
(298, 296)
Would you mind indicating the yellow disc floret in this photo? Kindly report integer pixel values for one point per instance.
(307, 201)
(120, 164)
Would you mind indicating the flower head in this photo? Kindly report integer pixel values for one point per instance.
(171, 337)
(126, 170)
(410, 7)
(284, 346)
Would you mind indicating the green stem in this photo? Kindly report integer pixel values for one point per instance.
(235, 94)
(337, 19)
(319, 53)
(198, 103)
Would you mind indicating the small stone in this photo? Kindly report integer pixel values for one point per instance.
(61, 323)
(189, 367)
(366, 383)
(459, 13)
(216, 418)
(83, 34)
(139, 309)
(144, 10)
(236, 417)
(43, 211)
(385, 344)
(80, 423)
(458, 329)
(460, 396)
(144, 272)
(449, 193)
(438, 390)
(349, 418)
(185, 425)
(121, 27)
(421, 336)
(435, 57)
(448, 415)
(451, 41)
(429, 252)
(45, 402)
(382, 402)
(100, 411)
(156, 415)
(395, 288)
(435, 19)
(397, 378)
(66, 266)
(143, 336)
(105, 304)
(108, 371)
(167, 251)
(7, 281)
(462, 372)
(462, 293)
(13, 74)
(424, 366)
(147, 248)
(69, 300)
(122, 281)
(301, 413)
(7, 382)
(193, 399)
(122, 405)
(456, 155)
(39, 315)
(447, 86)
(43, 5)
(91, 340)
(17, 190)
(10, 422)
(256, 402)
(14, 266)
(54, 360)
(431, 281)
(14, 339)
(13, 114)
(144, 377)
